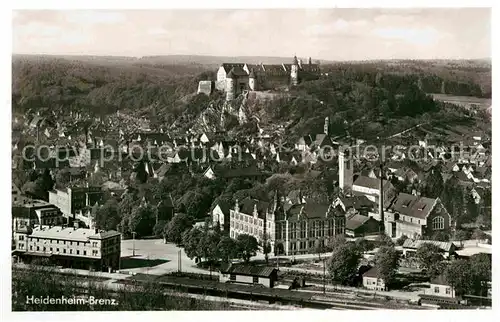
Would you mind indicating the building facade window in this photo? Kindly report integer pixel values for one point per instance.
(436, 289)
(256, 279)
(438, 223)
(232, 277)
(448, 290)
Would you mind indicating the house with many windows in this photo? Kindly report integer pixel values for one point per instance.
(69, 246)
(290, 229)
(416, 216)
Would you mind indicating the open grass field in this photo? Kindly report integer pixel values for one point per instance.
(463, 100)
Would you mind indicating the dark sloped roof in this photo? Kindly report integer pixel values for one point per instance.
(357, 202)
(228, 66)
(372, 183)
(415, 244)
(356, 221)
(310, 210)
(261, 271)
(240, 172)
(224, 206)
(248, 205)
(413, 206)
(372, 272)
(439, 280)
(310, 67)
(275, 69)
(237, 71)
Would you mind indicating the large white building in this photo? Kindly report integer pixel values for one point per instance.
(69, 246)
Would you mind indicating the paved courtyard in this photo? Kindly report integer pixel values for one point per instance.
(152, 256)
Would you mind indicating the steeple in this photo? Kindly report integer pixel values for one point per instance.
(295, 60)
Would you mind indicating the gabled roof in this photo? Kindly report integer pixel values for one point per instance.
(413, 206)
(356, 202)
(372, 272)
(313, 210)
(261, 271)
(228, 66)
(248, 205)
(356, 221)
(415, 244)
(439, 280)
(224, 206)
(275, 69)
(372, 183)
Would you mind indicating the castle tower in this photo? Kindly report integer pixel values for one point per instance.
(345, 170)
(310, 61)
(252, 81)
(294, 74)
(230, 85)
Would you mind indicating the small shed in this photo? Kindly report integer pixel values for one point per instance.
(247, 274)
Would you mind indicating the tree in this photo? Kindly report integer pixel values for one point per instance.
(159, 228)
(343, 262)
(387, 263)
(460, 276)
(401, 240)
(207, 247)
(428, 256)
(177, 226)
(142, 221)
(227, 249)
(336, 241)
(364, 245)
(128, 204)
(460, 235)
(108, 216)
(384, 240)
(481, 269)
(247, 247)
(472, 209)
(191, 241)
(478, 234)
(433, 185)
(62, 178)
(319, 247)
(440, 236)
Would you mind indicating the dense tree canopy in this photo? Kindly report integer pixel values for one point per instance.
(344, 262)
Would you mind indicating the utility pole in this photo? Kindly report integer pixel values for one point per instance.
(179, 261)
(324, 275)
(133, 243)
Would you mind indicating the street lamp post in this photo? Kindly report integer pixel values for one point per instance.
(133, 243)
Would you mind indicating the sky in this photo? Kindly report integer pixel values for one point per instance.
(330, 34)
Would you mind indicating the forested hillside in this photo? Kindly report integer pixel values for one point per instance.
(100, 85)
(368, 99)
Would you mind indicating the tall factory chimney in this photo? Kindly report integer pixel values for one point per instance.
(381, 198)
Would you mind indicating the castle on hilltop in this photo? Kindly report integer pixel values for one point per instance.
(235, 78)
